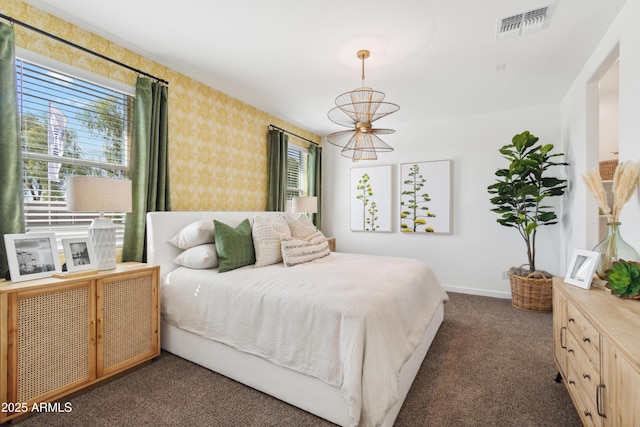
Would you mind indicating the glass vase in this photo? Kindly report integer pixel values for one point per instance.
(613, 248)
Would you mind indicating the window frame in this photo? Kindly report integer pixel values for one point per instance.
(52, 215)
(302, 173)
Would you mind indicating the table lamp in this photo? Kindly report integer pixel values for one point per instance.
(305, 204)
(98, 194)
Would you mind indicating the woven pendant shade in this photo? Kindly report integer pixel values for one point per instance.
(363, 105)
(357, 110)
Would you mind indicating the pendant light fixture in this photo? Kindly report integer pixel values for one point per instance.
(357, 110)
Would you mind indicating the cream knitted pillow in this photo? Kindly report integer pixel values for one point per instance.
(301, 227)
(267, 237)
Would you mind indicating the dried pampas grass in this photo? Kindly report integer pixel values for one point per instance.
(625, 181)
(593, 181)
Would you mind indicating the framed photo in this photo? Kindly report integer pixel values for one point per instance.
(370, 198)
(425, 197)
(79, 254)
(581, 268)
(32, 256)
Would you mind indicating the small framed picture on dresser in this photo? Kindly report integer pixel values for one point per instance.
(32, 256)
(79, 254)
(581, 268)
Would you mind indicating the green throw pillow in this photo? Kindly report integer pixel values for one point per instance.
(234, 245)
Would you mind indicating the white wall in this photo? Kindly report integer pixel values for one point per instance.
(578, 115)
(609, 102)
(473, 256)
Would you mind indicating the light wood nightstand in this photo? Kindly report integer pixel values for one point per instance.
(62, 335)
(332, 243)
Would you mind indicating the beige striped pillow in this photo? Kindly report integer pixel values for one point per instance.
(298, 251)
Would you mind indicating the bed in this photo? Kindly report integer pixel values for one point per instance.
(311, 334)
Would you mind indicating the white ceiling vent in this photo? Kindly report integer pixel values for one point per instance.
(524, 23)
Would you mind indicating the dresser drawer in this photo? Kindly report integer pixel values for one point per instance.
(587, 337)
(585, 405)
(582, 382)
(581, 370)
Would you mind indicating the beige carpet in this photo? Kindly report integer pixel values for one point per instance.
(490, 365)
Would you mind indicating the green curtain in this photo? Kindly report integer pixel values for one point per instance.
(277, 146)
(11, 211)
(149, 169)
(314, 181)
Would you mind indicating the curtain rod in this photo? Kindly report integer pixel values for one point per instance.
(84, 49)
(293, 134)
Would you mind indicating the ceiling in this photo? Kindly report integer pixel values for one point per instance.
(436, 59)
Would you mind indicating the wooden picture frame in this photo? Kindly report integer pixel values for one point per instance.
(32, 256)
(581, 268)
(79, 254)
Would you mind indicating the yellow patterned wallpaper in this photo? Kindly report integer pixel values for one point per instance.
(217, 144)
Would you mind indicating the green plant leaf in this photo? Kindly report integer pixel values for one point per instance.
(618, 278)
(522, 186)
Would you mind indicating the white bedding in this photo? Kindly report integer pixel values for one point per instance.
(349, 320)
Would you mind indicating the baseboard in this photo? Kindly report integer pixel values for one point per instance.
(481, 292)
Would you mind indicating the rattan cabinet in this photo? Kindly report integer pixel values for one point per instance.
(597, 351)
(59, 335)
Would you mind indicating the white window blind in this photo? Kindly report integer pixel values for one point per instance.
(296, 171)
(68, 126)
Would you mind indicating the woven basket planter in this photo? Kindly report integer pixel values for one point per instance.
(533, 292)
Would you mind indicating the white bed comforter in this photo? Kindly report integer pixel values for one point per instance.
(349, 320)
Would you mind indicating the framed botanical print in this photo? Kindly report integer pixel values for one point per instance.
(370, 198)
(425, 197)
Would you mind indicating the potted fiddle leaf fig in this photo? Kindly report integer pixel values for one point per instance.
(520, 196)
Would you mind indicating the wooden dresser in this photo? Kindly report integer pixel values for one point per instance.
(58, 336)
(596, 340)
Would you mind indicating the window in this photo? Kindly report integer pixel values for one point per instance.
(296, 172)
(68, 126)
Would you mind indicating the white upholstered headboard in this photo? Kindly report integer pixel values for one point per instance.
(162, 226)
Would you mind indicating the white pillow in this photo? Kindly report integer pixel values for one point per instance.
(267, 237)
(300, 227)
(194, 234)
(202, 256)
(298, 251)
